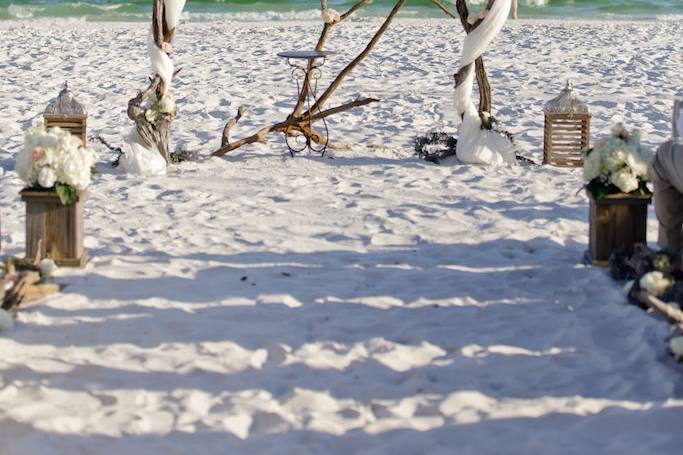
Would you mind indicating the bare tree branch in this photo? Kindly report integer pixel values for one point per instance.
(232, 122)
(345, 72)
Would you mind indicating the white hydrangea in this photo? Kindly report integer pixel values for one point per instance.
(54, 156)
(614, 160)
(638, 165)
(655, 283)
(619, 160)
(47, 177)
(592, 166)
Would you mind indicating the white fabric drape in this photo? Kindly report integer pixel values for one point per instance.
(161, 62)
(139, 159)
(476, 145)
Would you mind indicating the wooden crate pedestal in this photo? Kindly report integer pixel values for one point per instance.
(59, 227)
(618, 220)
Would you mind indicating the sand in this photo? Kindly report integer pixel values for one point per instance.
(371, 303)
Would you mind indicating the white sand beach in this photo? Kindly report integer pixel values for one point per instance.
(370, 303)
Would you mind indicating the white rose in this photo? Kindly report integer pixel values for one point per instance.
(47, 177)
(625, 180)
(655, 283)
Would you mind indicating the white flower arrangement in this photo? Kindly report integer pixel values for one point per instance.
(55, 159)
(617, 164)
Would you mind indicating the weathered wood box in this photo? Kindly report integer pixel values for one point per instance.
(54, 228)
(565, 138)
(618, 220)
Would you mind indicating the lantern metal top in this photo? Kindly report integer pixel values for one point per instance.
(65, 105)
(566, 103)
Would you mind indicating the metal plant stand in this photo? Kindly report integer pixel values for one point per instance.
(306, 72)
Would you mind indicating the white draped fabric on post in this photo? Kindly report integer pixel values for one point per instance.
(477, 145)
(141, 158)
(161, 62)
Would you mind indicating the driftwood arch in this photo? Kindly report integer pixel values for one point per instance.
(299, 120)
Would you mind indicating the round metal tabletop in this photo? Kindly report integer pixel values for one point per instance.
(305, 55)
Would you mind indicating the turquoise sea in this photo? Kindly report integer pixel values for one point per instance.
(307, 9)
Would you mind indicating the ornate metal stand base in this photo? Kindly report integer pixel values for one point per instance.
(306, 76)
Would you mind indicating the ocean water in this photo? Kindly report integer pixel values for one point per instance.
(116, 10)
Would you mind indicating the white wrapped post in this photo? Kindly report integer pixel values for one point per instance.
(148, 149)
(477, 145)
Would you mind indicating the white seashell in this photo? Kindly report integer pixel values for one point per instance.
(47, 268)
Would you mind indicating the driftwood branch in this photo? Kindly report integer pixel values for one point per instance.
(344, 107)
(327, 28)
(23, 282)
(346, 71)
(302, 122)
(669, 311)
(231, 123)
(443, 8)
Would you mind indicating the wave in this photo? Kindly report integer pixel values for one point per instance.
(270, 10)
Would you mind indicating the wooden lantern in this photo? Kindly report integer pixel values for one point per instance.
(54, 228)
(68, 114)
(616, 221)
(567, 130)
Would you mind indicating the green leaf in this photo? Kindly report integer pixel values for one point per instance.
(67, 193)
